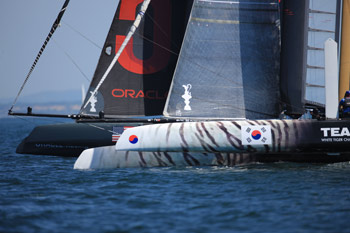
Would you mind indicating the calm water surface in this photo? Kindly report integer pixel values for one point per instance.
(45, 194)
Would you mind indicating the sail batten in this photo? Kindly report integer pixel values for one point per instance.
(320, 30)
(314, 85)
(321, 12)
(218, 21)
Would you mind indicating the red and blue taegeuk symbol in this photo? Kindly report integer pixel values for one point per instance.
(256, 134)
(133, 139)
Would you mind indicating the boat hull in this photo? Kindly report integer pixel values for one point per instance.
(107, 157)
(244, 136)
(221, 143)
(68, 139)
(300, 143)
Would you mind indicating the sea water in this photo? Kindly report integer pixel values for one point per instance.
(45, 194)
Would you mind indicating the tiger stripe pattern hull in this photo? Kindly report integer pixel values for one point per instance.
(221, 143)
(107, 157)
(217, 136)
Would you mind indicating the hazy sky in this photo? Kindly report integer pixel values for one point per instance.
(24, 25)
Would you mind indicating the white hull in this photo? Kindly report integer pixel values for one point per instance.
(215, 137)
(107, 157)
(224, 143)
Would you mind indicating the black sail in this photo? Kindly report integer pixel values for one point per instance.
(229, 62)
(293, 56)
(139, 82)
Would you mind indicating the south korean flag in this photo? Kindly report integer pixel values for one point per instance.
(256, 135)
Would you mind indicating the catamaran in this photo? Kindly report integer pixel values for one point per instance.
(255, 81)
(232, 50)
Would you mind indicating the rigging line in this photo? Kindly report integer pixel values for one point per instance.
(53, 29)
(159, 45)
(100, 128)
(25, 119)
(129, 35)
(81, 34)
(31, 122)
(72, 60)
(163, 32)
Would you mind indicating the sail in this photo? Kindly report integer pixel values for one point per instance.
(306, 27)
(293, 56)
(139, 82)
(229, 61)
(322, 25)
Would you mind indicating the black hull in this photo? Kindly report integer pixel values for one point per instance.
(68, 139)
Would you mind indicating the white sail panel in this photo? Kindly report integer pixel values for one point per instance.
(315, 58)
(324, 21)
(315, 77)
(316, 39)
(315, 95)
(324, 5)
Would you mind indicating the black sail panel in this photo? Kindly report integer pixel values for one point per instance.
(293, 56)
(229, 61)
(139, 82)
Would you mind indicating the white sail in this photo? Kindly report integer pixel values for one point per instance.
(321, 26)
